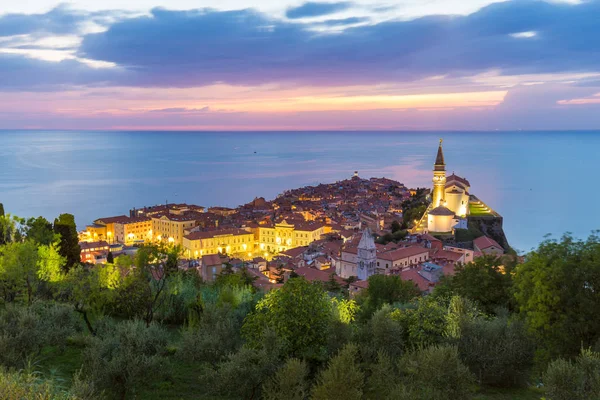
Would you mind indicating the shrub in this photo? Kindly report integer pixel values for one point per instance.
(289, 383)
(499, 353)
(22, 385)
(343, 379)
(21, 335)
(579, 380)
(439, 371)
(121, 358)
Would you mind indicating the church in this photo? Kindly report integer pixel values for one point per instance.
(449, 198)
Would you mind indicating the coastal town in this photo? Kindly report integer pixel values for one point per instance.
(342, 232)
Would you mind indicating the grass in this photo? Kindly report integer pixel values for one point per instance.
(477, 210)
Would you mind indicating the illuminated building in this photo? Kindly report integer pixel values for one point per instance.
(236, 242)
(104, 228)
(283, 236)
(134, 230)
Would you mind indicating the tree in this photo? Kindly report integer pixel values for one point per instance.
(556, 290)
(387, 289)
(289, 383)
(125, 357)
(332, 285)
(483, 281)
(18, 268)
(498, 352)
(10, 229)
(579, 380)
(343, 378)
(39, 230)
(438, 371)
(395, 226)
(110, 259)
(299, 314)
(65, 226)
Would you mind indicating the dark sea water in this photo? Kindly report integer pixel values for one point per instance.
(541, 182)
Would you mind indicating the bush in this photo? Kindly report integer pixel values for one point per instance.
(342, 379)
(382, 333)
(121, 358)
(21, 335)
(289, 383)
(22, 385)
(579, 380)
(439, 371)
(499, 353)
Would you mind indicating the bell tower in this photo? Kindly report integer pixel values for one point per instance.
(439, 179)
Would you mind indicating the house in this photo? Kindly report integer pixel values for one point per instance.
(487, 245)
(356, 287)
(94, 252)
(211, 266)
(401, 258)
(312, 274)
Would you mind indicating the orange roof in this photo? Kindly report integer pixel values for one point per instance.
(312, 274)
(485, 242)
(112, 220)
(414, 276)
(402, 253)
(212, 259)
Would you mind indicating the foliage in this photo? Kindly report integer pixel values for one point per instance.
(386, 289)
(438, 371)
(425, 323)
(498, 352)
(126, 356)
(381, 334)
(484, 282)
(579, 380)
(556, 290)
(290, 382)
(39, 230)
(234, 378)
(383, 378)
(65, 226)
(24, 331)
(28, 385)
(342, 379)
(11, 229)
(299, 313)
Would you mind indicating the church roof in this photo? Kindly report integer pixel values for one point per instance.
(367, 241)
(440, 165)
(441, 210)
(457, 178)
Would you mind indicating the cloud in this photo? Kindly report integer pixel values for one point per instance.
(316, 9)
(346, 21)
(245, 47)
(182, 110)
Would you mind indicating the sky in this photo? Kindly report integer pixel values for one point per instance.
(294, 65)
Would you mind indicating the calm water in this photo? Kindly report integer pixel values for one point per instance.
(540, 182)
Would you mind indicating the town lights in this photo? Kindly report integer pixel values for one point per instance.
(171, 240)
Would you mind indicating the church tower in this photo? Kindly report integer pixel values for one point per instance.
(367, 257)
(439, 179)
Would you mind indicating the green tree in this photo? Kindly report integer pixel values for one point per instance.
(556, 290)
(498, 352)
(579, 380)
(65, 226)
(289, 383)
(342, 379)
(483, 281)
(395, 226)
(19, 268)
(39, 230)
(299, 313)
(123, 358)
(437, 371)
(110, 258)
(10, 229)
(386, 289)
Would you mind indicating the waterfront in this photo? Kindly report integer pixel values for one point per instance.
(540, 182)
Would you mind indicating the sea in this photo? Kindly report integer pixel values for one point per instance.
(540, 182)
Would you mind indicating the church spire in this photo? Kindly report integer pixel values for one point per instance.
(440, 165)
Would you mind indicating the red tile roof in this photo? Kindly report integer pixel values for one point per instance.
(485, 242)
(212, 259)
(414, 276)
(402, 253)
(112, 220)
(312, 274)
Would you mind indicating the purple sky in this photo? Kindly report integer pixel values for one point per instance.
(476, 65)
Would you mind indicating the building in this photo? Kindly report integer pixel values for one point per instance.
(171, 226)
(236, 242)
(104, 228)
(282, 236)
(487, 245)
(366, 257)
(133, 230)
(94, 252)
(211, 266)
(400, 258)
